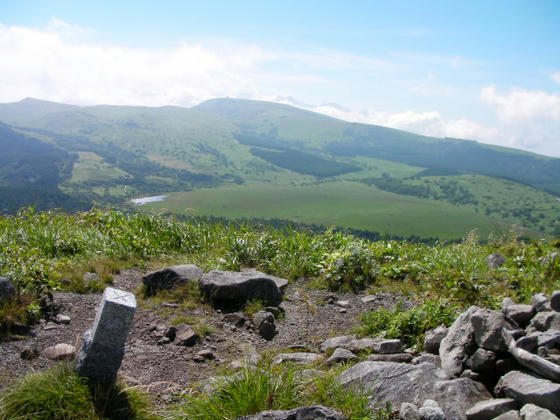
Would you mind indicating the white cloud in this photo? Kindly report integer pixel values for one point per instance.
(430, 123)
(45, 64)
(555, 77)
(531, 119)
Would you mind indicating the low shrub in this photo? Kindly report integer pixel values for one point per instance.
(407, 325)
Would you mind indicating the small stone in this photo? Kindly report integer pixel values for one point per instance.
(206, 354)
(540, 302)
(409, 411)
(431, 410)
(170, 332)
(342, 303)
(185, 336)
(507, 302)
(62, 319)
(489, 409)
(198, 359)
(495, 260)
(388, 346)
(163, 340)
(369, 298)
(262, 316)
(343, 310)
(60, 351)
(267, 330)
(533, 412)
(91, 277)
(50, 326)
(235, 318)
(341, 355)
(29, 353)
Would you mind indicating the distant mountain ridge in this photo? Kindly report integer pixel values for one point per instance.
(106, 154)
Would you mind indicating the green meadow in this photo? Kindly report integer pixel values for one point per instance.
(343, 204)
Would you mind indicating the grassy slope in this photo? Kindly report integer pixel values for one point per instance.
(346, 204)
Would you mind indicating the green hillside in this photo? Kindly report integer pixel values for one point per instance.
(234, 152)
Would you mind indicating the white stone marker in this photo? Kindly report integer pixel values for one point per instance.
(102, 350)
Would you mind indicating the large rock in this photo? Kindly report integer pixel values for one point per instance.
(487, 410)
(388, 346)
(482, 361)
(533, 412)
(400, 382)
(171, 277)
(488, 325)
(458, 344)
(540, 302)
(232, 290)
(185, 336)
(316, 412)
(521, 314)
(530, 389)
(7, 290)
(545, 321)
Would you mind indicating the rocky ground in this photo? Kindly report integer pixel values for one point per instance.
(165, 369)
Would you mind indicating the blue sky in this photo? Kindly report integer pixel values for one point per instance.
(486, 70)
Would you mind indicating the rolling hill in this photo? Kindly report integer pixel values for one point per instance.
(328, 171)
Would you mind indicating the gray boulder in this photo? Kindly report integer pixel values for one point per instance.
(510, 415)
(399, 383)
(232, 290)
(341, 355)
(489, 409)
(388, 346)
(361, 344)
(555, 301)
(336, 342)
(316, 412)
(170, 277)
(545, 321)
(495, 260)
(482, 361)
(431, 410)
(530, 389)
(7, 290)
(298, 358)
(433, 338)
(427, 357)
(393, 357)
(458, 344)
(521, 314)
(488, 325)
(533, 412)
(540, 302)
